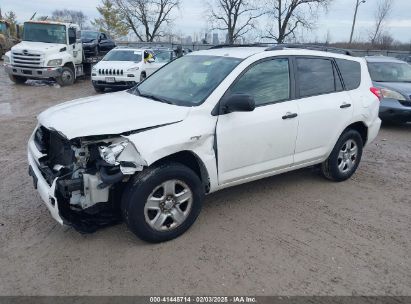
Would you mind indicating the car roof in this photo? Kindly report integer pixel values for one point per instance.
(245, 52)
(235, 52)
(383, 59)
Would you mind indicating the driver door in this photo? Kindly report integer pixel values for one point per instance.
(251, 144)
(75, 47)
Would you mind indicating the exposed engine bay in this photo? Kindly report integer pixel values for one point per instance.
(89, 175)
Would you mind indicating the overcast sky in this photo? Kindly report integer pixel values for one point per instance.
(191, 17)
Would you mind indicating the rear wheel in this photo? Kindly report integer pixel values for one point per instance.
(161, 203)
(17, 79)
(67, 77)
(344, 158)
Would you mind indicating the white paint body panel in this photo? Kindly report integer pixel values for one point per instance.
(250, 145)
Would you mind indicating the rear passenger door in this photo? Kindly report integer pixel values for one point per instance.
(325, 109)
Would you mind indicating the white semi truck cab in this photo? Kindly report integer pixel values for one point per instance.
(49, 50)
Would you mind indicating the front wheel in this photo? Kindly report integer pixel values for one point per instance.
(66, 78)
(17, 79)
(162, 202)
(344, 158)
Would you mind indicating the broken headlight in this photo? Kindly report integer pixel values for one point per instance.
(110, 153)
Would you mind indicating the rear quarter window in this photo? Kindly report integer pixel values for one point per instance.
(350, 72)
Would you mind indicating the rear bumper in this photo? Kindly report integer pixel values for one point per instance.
(393, 110)
(33, 73)
(373, 130)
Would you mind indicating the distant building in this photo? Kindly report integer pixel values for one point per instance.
(188, 40)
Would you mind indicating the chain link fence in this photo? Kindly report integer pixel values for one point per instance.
(403, 55)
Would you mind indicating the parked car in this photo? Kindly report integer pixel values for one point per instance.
(123, 68)
(393, 78)
(206, 121)
(96, 43)
(163, 55)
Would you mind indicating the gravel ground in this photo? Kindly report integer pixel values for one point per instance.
(292, 234)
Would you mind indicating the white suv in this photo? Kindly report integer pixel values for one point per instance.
(206, 121)
(123, 68)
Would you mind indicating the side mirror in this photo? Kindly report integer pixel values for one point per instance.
(151, 60)
(238, 103)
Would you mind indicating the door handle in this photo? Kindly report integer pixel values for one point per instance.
(345, 105)
(290, 115)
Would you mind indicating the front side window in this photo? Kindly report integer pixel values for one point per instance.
(315, 76)
(123, 55)
(390, 71)
(187, 81)
(267, 82)
(45, 32)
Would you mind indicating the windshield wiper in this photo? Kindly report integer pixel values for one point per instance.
(156, 98)
(153, 97)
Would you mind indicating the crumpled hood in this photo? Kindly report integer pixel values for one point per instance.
(401, 87)
(109, 114)
(38, 47)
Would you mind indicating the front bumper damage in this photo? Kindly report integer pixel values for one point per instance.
(84, 198)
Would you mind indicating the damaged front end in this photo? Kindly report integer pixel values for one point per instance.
(86, 175)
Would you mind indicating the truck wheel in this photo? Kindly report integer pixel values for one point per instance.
(162, 202)
(344, 158)
(17, 79)
(66, 78)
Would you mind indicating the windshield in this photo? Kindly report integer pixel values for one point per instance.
(163, 56)
(89, 35)
(390, 72)
(187, 81)
(123, 55)
(44, 32)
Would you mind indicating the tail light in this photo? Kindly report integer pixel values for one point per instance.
(377, 92)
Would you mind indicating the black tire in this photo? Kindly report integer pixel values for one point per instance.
(141, 187)
(67, 77)
(143, 76)
(333, 168)
(17, 79)
(99, 89)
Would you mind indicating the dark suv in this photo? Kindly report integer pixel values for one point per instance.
(96, 43)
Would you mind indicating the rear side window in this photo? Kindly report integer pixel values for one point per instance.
(350, 72)
(315, 76)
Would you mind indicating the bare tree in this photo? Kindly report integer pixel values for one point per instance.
(74, 16)
(237, 17)
(383, 10)
(289, 15)
(147, 18)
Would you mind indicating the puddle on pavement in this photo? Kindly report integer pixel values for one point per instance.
(42, 83)
(5, 109)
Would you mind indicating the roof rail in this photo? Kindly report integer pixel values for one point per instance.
(314, 47)
(221, 46)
